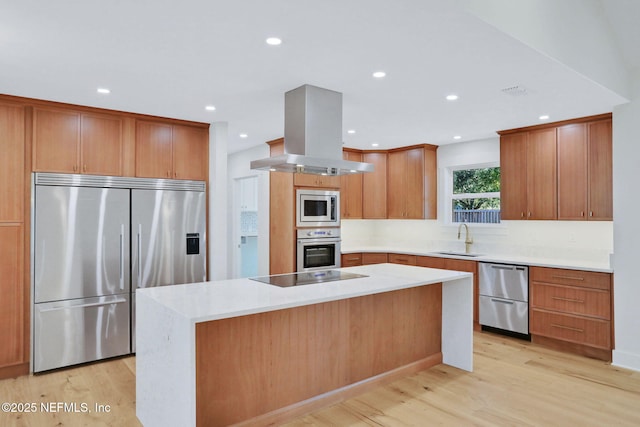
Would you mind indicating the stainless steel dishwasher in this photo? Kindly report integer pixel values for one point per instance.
(504, 297)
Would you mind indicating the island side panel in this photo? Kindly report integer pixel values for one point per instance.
(457, 323)
(257, 364)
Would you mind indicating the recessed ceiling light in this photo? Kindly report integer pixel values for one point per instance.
(274, 41)
(457, 137)
(210, 108)
(351, 131)
(452, 97)
(243, 135)
(544, 117)
(379, 74)
(103, 90)
(375, 144)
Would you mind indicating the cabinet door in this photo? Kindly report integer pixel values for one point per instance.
(11, 163)
(312, 180)
(513, 171)
(415, 191)
(600, 171)
(351, 260)
(153, 150)
(56, 141)
(542, 199)
(12, 313)
(572, 172)
(374, 187)
(101, 144)
(351, 190)
(369, 258)
(397, 184)
(190, 153)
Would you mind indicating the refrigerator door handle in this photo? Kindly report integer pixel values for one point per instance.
(139, 255)
(122, 256)
(92, 304)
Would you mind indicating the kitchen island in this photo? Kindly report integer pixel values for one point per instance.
(226, 352)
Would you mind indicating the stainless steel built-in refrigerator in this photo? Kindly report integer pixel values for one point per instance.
(95, 240)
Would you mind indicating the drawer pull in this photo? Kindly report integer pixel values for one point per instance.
(579, 301)
(353, 259)
(568, 277)
(555, 325)
(502, 301)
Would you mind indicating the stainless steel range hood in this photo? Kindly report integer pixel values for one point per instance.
(312, 135)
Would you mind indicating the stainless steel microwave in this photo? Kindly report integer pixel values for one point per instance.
(317, 208)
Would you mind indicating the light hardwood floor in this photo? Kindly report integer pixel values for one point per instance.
(514, 383)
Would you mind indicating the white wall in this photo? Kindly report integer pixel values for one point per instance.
(626, 205)
(238, 167)
(218, 230)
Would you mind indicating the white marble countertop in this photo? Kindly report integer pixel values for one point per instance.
(201, 302)
(499, 258)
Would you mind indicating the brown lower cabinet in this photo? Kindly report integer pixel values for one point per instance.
(572, 310)
(367, 258)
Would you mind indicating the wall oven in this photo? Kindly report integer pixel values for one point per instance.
(318, 249)
(317, 208)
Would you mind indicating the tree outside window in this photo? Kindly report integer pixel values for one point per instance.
(476, 195)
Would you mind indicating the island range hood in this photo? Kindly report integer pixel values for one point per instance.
(312, 135)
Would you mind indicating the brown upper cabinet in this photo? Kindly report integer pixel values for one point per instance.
(165, 150)
(558, 171)
(351, 190)
(528, 175)
(12, 162)
(70, 141)
(411, 178)
(312, 180)
(374, 186)
(585, 171)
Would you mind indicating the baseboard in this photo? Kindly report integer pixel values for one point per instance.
(569, 347)
(14, 371)
(626, 360)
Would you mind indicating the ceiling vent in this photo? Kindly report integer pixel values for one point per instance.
(516, 91)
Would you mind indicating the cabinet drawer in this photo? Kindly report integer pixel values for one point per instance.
(402, 259)
(351, 260)
(580, 330)
(572, 300)
(374, 258)
(431, 262)
(585, 279)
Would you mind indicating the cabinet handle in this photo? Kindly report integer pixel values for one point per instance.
(502, 301)
(582, 213)
(579, 301)
(555, 325)
(568, 277)
(529, 214)
(168, 174)
(353, 259)
(521, 214)
(84, 168)
(590, 213)
(75, 168)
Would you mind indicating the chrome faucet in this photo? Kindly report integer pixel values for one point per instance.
(468, 240)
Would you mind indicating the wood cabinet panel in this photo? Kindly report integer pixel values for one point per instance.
(282, 219)
(561, 276)
(542, 175)
(572, 172)
(431, 262)
(575, 329)
(411, 183)
(513, 171)
(374, 187)
(572, 300)
(101, 148)
(397, 182)
(154, 154)
(56, 141)
(312, 180)
(351, 260)
(12, 315)
(374, 258)
(351, 190)
(190, 153)
(600, 171)
(12, 162)
(402, 259)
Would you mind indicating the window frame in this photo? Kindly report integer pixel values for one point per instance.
(450, 197)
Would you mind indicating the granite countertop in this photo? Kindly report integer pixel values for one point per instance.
(498, 258)
(205, 301)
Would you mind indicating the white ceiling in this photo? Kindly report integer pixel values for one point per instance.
(171, 58)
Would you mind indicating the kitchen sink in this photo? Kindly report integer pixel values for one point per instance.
(457, 254)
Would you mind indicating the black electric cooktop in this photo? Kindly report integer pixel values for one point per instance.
(306, 278)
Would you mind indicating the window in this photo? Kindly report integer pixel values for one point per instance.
(476, 195)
